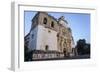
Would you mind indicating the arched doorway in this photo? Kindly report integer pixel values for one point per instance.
(46, 47)
(65, 49)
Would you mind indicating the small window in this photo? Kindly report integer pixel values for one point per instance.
(57, 34)
(49, 31)
(46, 47)
(32, 36)
(52, 24)
(45, 21)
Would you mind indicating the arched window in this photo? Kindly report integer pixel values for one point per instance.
(52, 24)
(45, 21)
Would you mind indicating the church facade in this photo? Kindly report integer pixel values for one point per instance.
(49, 37)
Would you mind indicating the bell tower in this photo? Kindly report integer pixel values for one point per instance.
(63, 22)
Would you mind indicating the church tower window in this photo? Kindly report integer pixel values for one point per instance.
(45, 21)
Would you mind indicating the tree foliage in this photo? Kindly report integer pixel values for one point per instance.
(83, 48)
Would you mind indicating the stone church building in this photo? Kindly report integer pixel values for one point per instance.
(49, 37)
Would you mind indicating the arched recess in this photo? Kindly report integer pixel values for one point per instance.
(65, 48)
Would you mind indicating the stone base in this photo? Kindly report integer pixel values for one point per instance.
(39, 54)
